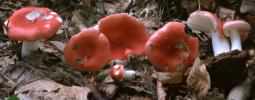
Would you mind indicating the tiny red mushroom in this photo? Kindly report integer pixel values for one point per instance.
(119, 73)
(30, 24)
(126, 34)
(170, 49)
(88, 50)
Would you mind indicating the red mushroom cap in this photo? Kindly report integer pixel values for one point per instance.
(33, 23)
(88, 50)
(117, 72)
(193, 44)
(125, 33)
(170, 47)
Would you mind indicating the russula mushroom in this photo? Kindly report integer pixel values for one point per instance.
(208, 23)
(170, 49)
(126, 34)
(237, 30)
(118, 72)
(31, 24)
(88, 50)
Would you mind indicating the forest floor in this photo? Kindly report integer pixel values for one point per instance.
(45, 75)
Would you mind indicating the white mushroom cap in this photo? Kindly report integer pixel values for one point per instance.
(239, 25)
(203, 21)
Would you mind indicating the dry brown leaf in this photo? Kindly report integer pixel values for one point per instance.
(192, 5)
(169, 78)
(139, 98)
(7, 60)
(116, 6)
(77, 20)
(226, 14)
(45, 48)
(198, 79)
(247, 6)
(108, 89)
(59, 45)
(50, 90)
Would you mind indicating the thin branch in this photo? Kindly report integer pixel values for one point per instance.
(199, 5)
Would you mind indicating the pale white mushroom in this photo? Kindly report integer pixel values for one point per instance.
(208, 23)
(237, 30)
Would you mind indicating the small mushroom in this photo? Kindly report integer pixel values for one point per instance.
(32, 24)
(88, 50)
(170, 49)
(126, 34)
(237, 30)
(119, 73)
(208, 23)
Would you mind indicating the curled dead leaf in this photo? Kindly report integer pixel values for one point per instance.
(226, 14)
(199, 80)
(108, 89)
(169, 78)
(59, 45)
(247, 6)
(7, 60)
(50, 90)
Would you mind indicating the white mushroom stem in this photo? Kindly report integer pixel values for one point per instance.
(220, 44)
(129, 74)
(28, 47)
(235, 40)
(119, 72)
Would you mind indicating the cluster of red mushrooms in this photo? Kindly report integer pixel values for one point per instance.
(117, 36)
